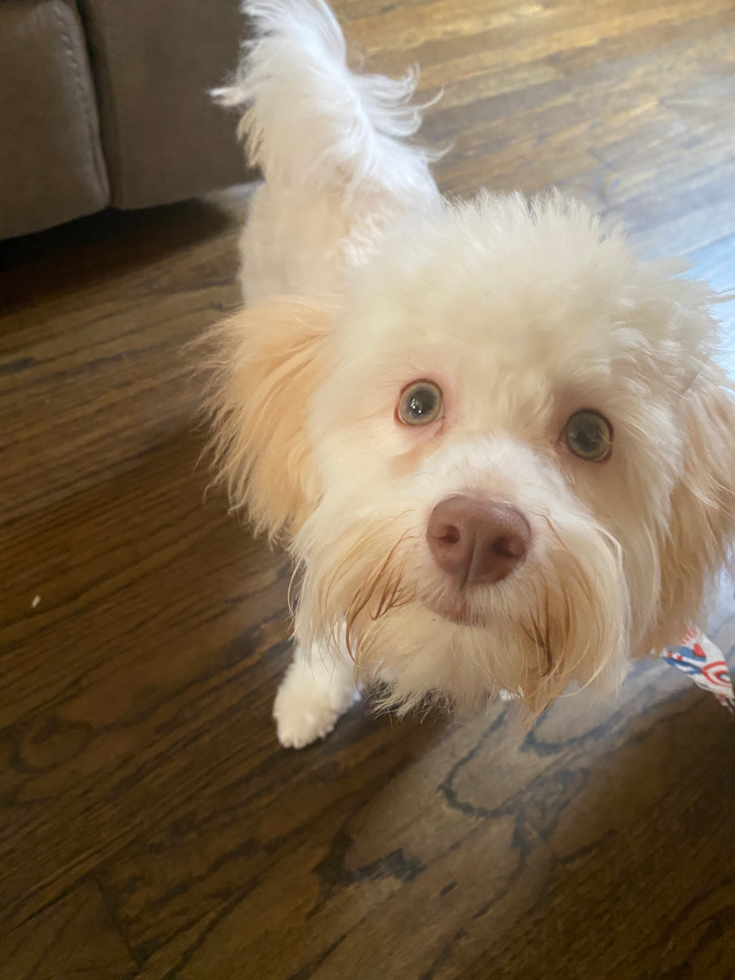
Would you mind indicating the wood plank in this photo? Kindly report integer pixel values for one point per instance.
(75, 937)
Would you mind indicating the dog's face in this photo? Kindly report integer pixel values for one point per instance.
(505, 455)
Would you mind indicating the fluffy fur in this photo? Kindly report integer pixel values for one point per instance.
(361, 279)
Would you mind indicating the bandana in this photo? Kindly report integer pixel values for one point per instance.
(706, 665)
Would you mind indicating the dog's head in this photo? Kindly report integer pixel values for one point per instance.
(505, 455)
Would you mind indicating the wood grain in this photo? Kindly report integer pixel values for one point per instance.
(150, 825)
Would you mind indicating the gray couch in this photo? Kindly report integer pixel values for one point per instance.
(103, 102)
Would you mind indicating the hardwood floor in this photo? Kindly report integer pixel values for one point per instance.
(151, 825)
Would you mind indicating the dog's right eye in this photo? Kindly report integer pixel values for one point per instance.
(421, 403)
(589, 436)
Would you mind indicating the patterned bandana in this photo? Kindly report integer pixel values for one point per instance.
(705, 663)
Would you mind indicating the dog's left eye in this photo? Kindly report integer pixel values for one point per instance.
(421, 403)
(589, 436)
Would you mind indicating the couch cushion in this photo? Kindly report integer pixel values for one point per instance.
(51, 165)
(154, 62)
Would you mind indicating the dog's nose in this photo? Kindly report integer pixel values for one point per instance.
(477, 541)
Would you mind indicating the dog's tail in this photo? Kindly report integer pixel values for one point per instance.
(310, 123)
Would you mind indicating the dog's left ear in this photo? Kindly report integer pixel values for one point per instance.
(702, 523)
(268, 361)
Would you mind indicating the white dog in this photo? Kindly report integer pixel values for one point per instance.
(497, 445)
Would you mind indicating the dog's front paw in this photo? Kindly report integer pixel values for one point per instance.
(310, 700)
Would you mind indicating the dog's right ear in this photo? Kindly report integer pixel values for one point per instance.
(268, 361)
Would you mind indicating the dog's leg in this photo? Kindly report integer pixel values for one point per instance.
(316, 690)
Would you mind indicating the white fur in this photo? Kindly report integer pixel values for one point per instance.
(314, 693)
(330, 143)
(360, 279)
